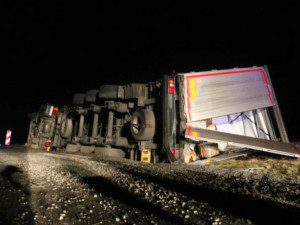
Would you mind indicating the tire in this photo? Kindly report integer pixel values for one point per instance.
(66, 128)
(142, 125)
(79, 99)
(32, 116)
(71, 148)
(87, 149)
(108, 92)
(91, 95)
(109, 152)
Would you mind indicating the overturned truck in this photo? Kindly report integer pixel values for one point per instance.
(182, 117)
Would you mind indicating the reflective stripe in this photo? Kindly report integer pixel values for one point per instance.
(8, 137)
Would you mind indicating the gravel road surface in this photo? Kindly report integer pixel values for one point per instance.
(38, 187)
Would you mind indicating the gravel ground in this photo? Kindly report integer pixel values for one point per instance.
(37, 187)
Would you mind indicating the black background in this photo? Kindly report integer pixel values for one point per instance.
(51, 50)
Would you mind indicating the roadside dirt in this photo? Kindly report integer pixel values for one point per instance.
(263, 163)
(37, 187)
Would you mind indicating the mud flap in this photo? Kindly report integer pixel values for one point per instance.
(280, 148)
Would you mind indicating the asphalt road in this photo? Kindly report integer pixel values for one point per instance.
(37, 187)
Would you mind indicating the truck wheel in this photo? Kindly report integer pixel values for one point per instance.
(66, 128)
(79, 99)
(142, 125)
(91, 96)
(110, 152)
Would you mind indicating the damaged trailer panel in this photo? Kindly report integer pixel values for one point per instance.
(237, 102)
(199, 134)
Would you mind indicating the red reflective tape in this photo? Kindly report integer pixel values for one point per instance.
(267, 85)
(173, 152)
(295, 147)
(189, 130)
(223, 73)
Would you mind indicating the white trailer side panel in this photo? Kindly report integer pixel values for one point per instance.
(218, 93)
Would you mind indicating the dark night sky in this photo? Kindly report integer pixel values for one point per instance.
(51, 50)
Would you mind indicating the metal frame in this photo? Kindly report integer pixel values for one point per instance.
(242, 141)
(169, 118)
(276, 108)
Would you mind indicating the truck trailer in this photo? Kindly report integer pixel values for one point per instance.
(181, 117)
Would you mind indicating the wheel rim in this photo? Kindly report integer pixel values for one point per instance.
(136, 125)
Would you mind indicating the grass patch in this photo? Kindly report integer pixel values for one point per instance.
(278, 166)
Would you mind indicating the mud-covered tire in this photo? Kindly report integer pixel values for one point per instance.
(108, 92)
(109, 152)
(79, 99)
(87, 149)
(32, 116)
(91, 96)
(142, 125)
(71, 148)
(66, 128)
